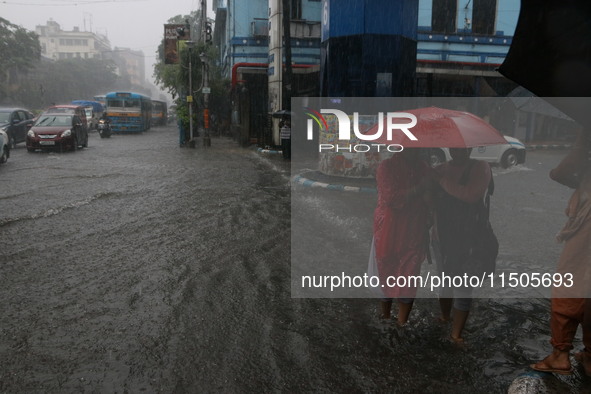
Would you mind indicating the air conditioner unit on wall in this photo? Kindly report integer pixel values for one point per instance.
(259, 28)
(304, 29)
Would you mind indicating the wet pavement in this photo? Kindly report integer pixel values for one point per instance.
(135, 265)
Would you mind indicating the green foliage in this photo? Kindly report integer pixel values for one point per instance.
(35, 83)
(63, 81)
(182, 112)
(19, 47)
(20, 51)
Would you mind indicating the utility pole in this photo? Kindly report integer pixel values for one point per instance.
(287, 77)
(190, 95)
(206, 34)
(182, 33)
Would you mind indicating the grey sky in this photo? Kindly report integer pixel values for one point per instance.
(135, 24)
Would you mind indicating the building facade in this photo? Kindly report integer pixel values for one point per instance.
(252, 52)
(130, 64)
(460, 43)
(58, 44)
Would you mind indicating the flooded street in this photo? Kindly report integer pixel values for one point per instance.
(134, 265)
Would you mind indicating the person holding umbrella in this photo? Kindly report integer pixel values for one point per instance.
(401, 224)
(463, 185)
(458, 130)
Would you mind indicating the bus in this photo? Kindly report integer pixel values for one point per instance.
(101, 99)
(129, 112)
(159, 113)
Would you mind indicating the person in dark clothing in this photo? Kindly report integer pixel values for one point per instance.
(285, 135)
(456, 222)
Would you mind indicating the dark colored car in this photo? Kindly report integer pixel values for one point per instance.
(57, 131)
(15, 122)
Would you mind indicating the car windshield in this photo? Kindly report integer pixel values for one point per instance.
(54, 120)
(4, 117)
(61, 110)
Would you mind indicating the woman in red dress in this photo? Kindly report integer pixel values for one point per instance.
(401, 223)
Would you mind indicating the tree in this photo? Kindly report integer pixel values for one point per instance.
(20, 51)
(175, 77)
(62, 81)
(168, 76)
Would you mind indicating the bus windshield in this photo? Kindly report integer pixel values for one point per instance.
(112, 103)
(130, 103)
(123, 103)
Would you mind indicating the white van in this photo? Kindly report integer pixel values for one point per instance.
(507, 155)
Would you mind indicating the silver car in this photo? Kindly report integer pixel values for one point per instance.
(5, 146)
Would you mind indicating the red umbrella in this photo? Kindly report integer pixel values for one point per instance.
(441, 128)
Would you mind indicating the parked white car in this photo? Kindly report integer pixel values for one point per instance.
(507, 155)
(5, 146)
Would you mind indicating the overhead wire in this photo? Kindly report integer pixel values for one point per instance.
(73, 2)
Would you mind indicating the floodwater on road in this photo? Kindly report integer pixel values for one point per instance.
(135, 265)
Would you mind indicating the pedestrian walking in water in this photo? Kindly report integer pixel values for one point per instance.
(569, 307)
(285, 134)
(584, 358)
(401, 225)
(463, 185)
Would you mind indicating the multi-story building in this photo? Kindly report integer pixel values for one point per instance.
(453, 49)
(460, 43)
(446, 47)
(130, 65)
(249, 36)
(58, 44)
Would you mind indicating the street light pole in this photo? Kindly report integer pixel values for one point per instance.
(190, 96)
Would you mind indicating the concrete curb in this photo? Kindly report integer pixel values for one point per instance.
(298, 179)
(306, 182)
(548, 147)
(269, 151)
(527, 147)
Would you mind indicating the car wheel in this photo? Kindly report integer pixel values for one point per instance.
(436, 157)
(4, 156)
(509, 158)
(30, 150)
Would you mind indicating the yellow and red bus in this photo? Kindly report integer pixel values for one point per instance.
(159, 113)
(129, 112)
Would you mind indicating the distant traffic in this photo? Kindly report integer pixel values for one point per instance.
(66, 126)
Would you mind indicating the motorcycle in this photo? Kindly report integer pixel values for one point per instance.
(104, 128)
